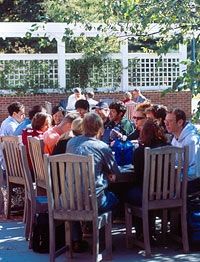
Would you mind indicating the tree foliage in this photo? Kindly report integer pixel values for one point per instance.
(21, 11)
(178, 22)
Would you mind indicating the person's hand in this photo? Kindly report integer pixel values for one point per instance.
(112, 177)
(115, 134)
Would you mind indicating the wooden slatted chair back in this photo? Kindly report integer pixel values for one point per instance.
(130, 107)
(72, 197)
(165, 176)
(71, 185)
(36, 150)
(11, 160)
(165, 189)
(13, 167)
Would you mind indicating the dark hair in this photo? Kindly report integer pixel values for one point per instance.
(90, 94)
(179, 114)
(77, 90)
(15, 107)
(35, 109)
(92, 123)
(152, 134)
(159, 112)
(118, 106)
(39, 120)
(56, 109)
(82, 103)
(152, 109)
(136, 90)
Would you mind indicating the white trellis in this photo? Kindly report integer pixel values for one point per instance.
(147, 71)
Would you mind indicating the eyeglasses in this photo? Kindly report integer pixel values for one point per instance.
(138, 117)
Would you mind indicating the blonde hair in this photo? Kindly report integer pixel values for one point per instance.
(77, 126)
(142, 107)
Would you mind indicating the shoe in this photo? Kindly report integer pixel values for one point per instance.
(80, 246)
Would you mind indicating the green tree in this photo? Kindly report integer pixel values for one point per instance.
(178, 21)
(21, 11)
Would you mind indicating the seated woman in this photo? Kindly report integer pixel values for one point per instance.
(157, 112)
(76, 130)
(127, 98)
(58, 114)
(139, 118)
(151, 135)
(40, 123)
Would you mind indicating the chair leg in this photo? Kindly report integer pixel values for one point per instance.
(184, 230)
(68, 237)
(108, 238)
(8, 204)
(145, 221)
(95, 241)
(32, 220)
(52, 240)
(128, 223)
(25, 209)
(164, 224)
(27, 223)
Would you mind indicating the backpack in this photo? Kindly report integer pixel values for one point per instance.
(40, 235)
(123, 151)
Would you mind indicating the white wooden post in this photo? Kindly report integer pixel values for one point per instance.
(124, 59)
(61, 63)
(183, 56)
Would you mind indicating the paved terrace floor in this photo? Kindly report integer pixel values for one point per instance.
(13, 247)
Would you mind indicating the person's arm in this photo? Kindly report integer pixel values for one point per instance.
(110, 166)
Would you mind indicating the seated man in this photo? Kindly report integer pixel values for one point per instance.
(26, 123)
(102, 109)
(16, 115)
(105, 164)
(90, 98)
(72, 99)
(118, 121)
(137, 96)
(185, 134)
(82, 107)
(52, 135)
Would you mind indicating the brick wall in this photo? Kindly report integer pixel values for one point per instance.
(171, 100)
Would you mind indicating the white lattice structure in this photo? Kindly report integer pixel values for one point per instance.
(148, 71)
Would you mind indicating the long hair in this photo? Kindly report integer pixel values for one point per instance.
(152, 134)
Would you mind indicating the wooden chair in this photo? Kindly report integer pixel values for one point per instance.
(72, 197)
(35, 204)
(130, 107)
(36, 150)
(13, 166)
(164, 188)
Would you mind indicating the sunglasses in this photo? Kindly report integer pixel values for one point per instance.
(138, 117)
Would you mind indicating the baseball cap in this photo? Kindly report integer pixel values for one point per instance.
(101, 105)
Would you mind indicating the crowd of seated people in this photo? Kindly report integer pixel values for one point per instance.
(93, 129)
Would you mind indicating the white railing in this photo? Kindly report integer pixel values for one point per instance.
(36, 71)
